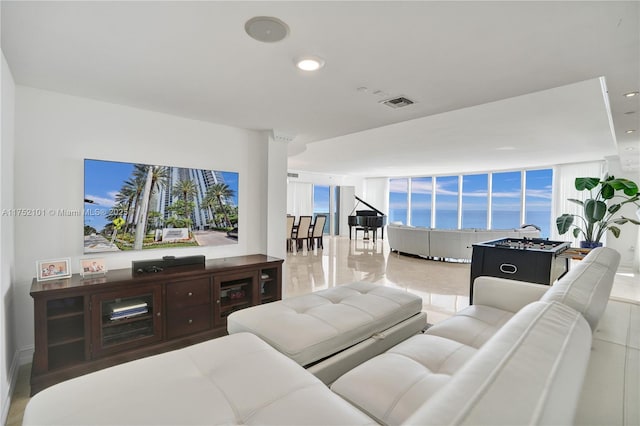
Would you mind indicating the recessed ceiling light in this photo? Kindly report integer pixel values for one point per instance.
(630, 131)
(506, 148)
(629, 148)
(310, 63)
(631, 94)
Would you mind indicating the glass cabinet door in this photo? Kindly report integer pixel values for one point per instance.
(123, 320)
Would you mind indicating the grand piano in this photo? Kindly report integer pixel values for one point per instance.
(367, 220)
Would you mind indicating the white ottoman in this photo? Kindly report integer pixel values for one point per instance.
(332, 331)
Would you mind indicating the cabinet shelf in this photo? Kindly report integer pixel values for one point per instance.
(66, 341)
(107, 322)
(66, 307)
(228, 305)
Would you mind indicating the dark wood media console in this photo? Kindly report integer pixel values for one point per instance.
(83, 325)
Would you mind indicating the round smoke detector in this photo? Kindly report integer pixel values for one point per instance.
(266, 29)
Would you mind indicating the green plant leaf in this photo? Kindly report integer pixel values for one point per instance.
(621, 221)
(614, 208)
(589, 183)
(576, 232)
(607, 191)
(564, 222)
(573, 200)
(615, 231)
(594, 210)
(635, 222)
(628, 187)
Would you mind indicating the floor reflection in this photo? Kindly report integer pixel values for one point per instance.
(443, 287)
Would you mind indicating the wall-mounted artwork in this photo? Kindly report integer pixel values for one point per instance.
(131, 206)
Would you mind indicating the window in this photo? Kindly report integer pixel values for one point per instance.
(421, 190)
(321, 204)
(398, 200)
(538, 199)
(505, 199)
(475, 199)
(446, 202)
(438, 201)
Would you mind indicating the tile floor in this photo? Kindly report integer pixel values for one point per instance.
(444, 288)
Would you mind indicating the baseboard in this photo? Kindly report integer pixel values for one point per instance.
(20, 358)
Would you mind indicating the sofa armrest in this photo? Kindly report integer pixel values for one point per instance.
(508, 295)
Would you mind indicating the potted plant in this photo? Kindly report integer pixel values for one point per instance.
(605, 198)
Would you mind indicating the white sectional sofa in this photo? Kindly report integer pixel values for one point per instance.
(447, 243)
(518, 356)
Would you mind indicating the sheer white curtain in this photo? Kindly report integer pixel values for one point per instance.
(564, 187)
(300, 199)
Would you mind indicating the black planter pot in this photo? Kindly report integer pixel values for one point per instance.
(590, 244)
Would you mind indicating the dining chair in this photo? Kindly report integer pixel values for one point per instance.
(303, 231)
(318, 231)
(290, 221)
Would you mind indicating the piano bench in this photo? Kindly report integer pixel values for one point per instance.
(331, 331)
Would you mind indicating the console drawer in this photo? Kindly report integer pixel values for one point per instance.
(189, 293)
(188, 321)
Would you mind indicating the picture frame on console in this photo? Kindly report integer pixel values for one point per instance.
(92, 266)
(53, 269)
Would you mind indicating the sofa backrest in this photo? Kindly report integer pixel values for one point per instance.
(587, 285)
(530, 372)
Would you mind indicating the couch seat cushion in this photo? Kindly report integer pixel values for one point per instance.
(529, 373)
(310, 327)
(231, 380)
(472, 326)
(391, 386)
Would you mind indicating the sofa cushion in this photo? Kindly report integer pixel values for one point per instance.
(310, 327)
(235, 379)
(472, 326)
(391, 386)
(587, 286)
(530, 372)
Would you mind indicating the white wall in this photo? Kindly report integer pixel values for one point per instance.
(276, 193)
(8, 361)
(376, 193)
(329, 180)
(55, 133)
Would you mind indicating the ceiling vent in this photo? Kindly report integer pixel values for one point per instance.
(292, 175)
(398, 102)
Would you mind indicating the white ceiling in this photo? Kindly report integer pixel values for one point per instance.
(455, 59)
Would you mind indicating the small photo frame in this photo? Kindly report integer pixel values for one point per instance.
(53, 269)
(92, 266)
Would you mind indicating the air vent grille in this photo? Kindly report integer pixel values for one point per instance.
(398, 102)
(292, 175)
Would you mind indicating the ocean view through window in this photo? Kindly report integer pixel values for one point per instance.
(475, 199)
(508, 199)
(321, 194)
(421, 192)
(505, 200)
(447, 202)
(398, 202)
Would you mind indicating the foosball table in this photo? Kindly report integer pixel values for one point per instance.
(524, 259)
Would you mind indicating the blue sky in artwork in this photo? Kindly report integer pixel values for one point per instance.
(104, 179)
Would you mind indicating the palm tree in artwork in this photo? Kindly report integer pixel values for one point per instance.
(129, 198)
(185, 190)
(215, 199)
(155, 178)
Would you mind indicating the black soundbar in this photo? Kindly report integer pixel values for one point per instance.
(159, 265)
